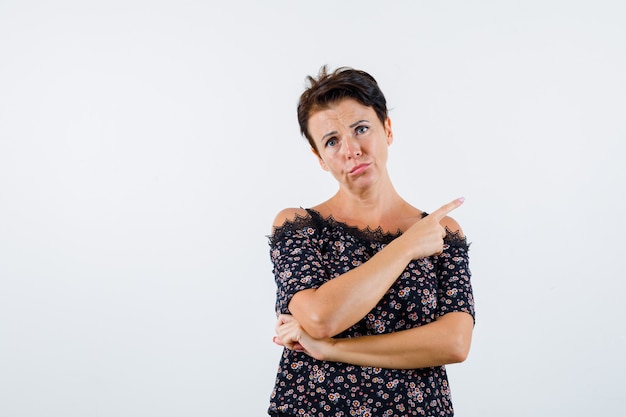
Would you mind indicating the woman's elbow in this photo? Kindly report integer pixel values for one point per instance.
(458, 356)
(319, 328)
(319, 322)
(458, 331)
(459, 348)
(319, 332)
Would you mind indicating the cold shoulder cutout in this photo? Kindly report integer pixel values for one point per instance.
(452, 226)
(288, 215)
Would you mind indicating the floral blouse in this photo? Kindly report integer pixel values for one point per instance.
(311, 250)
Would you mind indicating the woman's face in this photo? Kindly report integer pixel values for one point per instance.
(352, 143)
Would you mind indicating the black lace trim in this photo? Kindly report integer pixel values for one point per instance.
(455, 239)
(314, 218)
(294, 224)
(368, 234)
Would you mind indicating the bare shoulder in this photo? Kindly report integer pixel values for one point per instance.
(288, 214)
(452, 225)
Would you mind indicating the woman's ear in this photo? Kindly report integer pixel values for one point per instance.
(319, 159)
(389, 131)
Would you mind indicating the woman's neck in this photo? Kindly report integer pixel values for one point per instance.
(384, 208)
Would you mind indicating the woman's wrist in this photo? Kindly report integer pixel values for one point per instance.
(404, 247)
(329, 351)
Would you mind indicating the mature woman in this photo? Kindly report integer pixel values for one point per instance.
(373, 294)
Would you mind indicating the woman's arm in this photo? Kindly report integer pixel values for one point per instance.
(444, 341)
(342, 301)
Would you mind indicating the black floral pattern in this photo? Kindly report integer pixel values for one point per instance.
(311, 250)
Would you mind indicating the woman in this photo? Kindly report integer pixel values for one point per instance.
(373, 294)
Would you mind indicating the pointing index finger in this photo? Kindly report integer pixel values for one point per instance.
(443, 211)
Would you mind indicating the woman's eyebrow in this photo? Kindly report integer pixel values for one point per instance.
(334, 132)
(360, 121)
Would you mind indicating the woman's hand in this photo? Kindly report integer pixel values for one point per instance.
(429, 232)
(291, 335)
(444, 341)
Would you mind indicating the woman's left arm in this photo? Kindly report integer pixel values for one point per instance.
(446, 340)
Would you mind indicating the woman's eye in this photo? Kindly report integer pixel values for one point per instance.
(331, 142)
(361, 129)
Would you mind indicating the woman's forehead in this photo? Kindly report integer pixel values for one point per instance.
(346, 111)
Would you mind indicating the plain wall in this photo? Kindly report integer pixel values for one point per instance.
(146, 146)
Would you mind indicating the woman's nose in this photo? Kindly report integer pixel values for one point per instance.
(353, 148)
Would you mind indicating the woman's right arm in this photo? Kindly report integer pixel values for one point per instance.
(342, 301)
(441, 342)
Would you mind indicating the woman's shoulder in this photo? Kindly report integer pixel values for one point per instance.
(292, 223)
(452, 226)
(454, 233)
(289, 215)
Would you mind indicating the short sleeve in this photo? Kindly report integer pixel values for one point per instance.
(296, 259)
(454, 283)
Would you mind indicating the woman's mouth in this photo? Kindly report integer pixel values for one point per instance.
(358, 169)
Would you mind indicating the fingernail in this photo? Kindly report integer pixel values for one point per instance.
(461, 199)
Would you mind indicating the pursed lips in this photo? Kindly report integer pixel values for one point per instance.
(357, 169)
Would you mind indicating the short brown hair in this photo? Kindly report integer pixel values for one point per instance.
(329, 88)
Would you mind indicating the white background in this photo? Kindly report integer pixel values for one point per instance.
(145, 147)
